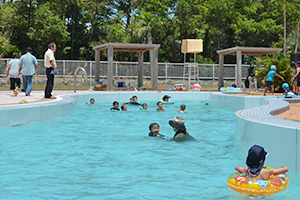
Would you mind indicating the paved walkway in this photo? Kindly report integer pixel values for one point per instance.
(36, 96)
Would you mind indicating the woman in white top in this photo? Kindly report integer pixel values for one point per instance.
(12, 73)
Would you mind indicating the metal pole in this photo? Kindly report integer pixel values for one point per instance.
(166, 73)
(91, 72)
(64, 71)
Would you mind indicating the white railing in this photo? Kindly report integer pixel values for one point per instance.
(166, 71)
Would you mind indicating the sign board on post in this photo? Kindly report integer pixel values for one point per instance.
(192, 46)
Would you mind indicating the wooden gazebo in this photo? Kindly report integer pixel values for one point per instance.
(140, 48)
(239, 51)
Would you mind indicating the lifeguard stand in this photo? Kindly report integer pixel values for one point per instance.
(190, 70)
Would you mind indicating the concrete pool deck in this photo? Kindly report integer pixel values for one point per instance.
(36, 96)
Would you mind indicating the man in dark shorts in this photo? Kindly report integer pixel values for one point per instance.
(13, 74)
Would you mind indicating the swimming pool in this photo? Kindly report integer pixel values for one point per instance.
(95, 153)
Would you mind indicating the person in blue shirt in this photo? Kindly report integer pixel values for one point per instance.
(287, 92)
(28, 68)
(269, 79)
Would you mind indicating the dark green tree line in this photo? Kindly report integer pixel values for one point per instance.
(79, 25)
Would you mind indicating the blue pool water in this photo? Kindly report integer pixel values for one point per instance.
(96, 153)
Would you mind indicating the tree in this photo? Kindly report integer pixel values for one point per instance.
(47, 28)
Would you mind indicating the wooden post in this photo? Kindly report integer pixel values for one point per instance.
(140, 69)
(238, 79)
(221, 71)
(110, 68)
(154, 69)
(97, 65)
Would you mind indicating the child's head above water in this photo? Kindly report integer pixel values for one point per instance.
(134, 98)
(256, 159)
(124, 108)
(159, 104)
(144, 106)
(154, 128)
(92, 100)
(182, 107)
(116, 104)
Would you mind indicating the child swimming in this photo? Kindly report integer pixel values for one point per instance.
(124, 108)
(255, 162)
(160, 106)
(144, 106)
(154, 130)
(92, 101)
(116, 106)
(182, 108)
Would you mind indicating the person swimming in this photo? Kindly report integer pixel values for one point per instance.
(92, 101)
(154, 130)
(124, 108)
(115, 106)
(160, 106)
(144, 106)
(182, 108)
(180, 130)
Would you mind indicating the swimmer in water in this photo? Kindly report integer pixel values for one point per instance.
(124, 108)
(144, 106)
(255, 162)
(92, 101)
(116, 106)
(154, 130)
(182, 108)
(160, 106)
(180, 131)
(166, 98)
(130, 100)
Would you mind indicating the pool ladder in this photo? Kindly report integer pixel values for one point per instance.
(84, 77)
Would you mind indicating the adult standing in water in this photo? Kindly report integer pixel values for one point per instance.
(28, 67)
(51, 70)
(180, 130)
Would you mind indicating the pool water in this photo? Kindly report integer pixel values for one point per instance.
(96, 153)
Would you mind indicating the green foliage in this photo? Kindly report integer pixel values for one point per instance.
(283, 69)
(47, 28)
(78, 26)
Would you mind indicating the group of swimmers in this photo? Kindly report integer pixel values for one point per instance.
(256, 156)
(144, 106)
(178, 123)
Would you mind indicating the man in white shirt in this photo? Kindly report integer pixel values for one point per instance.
(51, 70)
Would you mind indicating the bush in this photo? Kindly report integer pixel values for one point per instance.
(282, 68)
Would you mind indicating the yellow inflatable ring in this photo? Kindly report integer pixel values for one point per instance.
(167, 102)
(276, 183)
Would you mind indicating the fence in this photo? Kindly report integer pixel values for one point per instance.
(166, 71)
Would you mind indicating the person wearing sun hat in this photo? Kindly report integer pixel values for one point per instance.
(269, 79)
(255, 162)
(180, 130)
